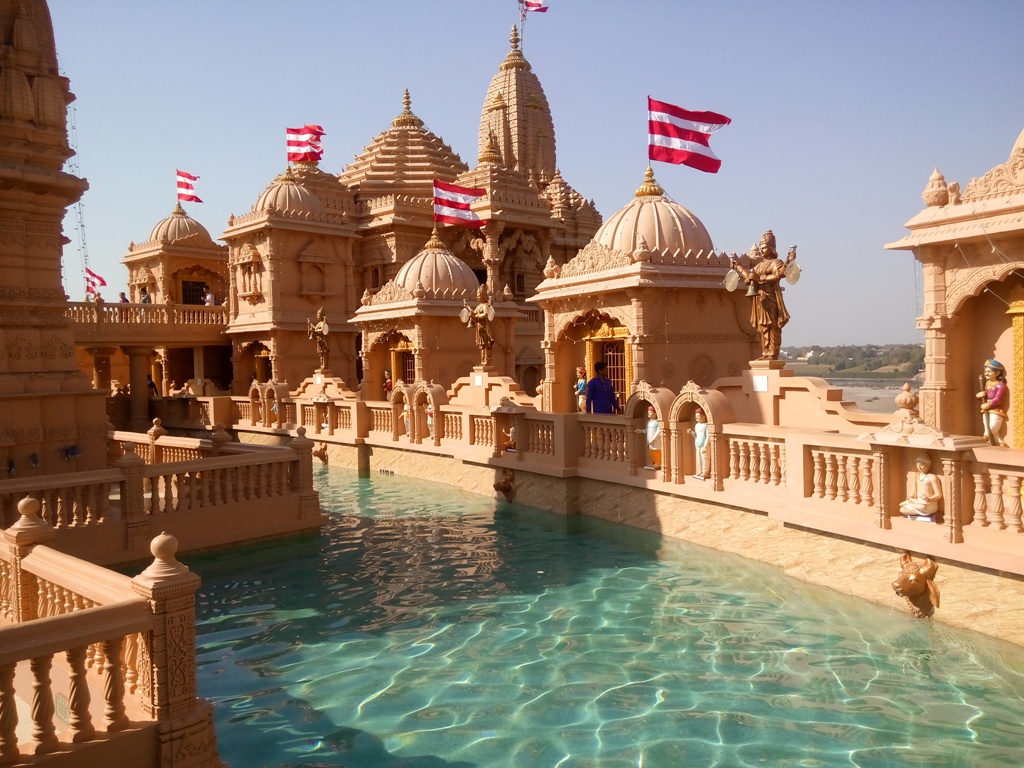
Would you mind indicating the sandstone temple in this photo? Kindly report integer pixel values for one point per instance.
(133, 431)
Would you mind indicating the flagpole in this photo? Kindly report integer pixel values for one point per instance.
(522, 23)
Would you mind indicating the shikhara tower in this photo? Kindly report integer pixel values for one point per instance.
(51, 419)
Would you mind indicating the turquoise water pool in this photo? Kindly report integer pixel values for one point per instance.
(429, 628)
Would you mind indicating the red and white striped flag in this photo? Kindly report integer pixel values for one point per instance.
(534, 6)
(677, 135)
(304, 144)
(93, 281)
(187, 187)
(451, 204)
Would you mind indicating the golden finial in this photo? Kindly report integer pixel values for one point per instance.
(178, 210)
(650, 188)
(407, 119)
(514, 59)
(434, 241)
(491, 154)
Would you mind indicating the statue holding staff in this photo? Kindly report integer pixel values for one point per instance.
(479, 318)
(318, 331)
(995, 397)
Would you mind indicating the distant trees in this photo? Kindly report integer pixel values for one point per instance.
(872, 360)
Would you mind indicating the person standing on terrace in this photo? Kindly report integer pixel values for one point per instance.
(600, 392)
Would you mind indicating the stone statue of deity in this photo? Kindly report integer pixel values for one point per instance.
(479, 318)
(318, 331)
(768, 312)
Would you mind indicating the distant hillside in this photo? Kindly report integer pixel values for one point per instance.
(883, 361)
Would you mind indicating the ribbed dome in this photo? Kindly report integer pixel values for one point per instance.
(437, 273)
(179, 226)
(404, 159)
(287, 197)
(655, 223)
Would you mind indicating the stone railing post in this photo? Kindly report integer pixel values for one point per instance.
(167, 659)
(309, 500)
(133, 497)
(219, 439)
(155, 433)
(26, 532)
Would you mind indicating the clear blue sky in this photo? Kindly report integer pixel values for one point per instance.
(840, 112)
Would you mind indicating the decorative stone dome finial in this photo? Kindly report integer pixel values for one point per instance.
(935, 192)
(650, 187)
(407, 119)
(490, 153)
(515, 59)
(178, 210)
(434, 241)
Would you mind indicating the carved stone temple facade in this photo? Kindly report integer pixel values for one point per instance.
(316, 239)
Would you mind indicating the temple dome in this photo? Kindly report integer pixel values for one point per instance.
(437, 273)
(404, 159)
(654, 223)
(287, 197)
(178, 227)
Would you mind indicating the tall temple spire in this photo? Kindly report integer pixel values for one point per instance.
(517, 119)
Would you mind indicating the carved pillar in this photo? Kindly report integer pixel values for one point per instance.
(492, 256)
(138, 364)
(952, 497)
(1016, 366)
(167, 660)
(168, 653)
(26, 532)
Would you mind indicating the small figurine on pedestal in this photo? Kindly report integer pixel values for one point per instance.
(653, 439)
(924, 501)
(700, 443)
(581, 389)
(318, 331)
(995, 397)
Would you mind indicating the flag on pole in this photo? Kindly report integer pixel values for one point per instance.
(534, 6)
(677, 135)
(187, 187)
(451, 204)
(93, 281)
(304, 144)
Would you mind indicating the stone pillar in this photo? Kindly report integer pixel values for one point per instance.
(309, 500)
(101, 368)
(133, 498)
(952, 497)
(492, 256)
(167, 661)
(1016, 367)
(138, 364)
(199, 368)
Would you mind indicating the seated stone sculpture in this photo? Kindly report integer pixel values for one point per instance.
(924, 501)
(916, 585)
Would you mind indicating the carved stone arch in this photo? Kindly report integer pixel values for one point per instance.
(717, 411)
(593, 317)
(388, 338)
(973, 284)
(427, 400)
